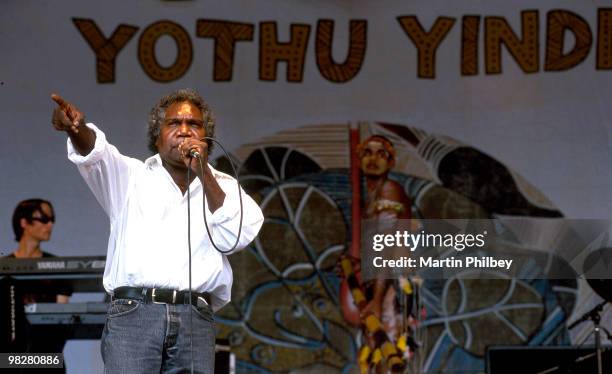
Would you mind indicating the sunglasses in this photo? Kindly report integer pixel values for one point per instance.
(44, 219)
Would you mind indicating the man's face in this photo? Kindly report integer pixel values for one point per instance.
(375, 160)
(41, 224)
(182, 120)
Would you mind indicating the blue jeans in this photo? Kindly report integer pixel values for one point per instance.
(154, 338)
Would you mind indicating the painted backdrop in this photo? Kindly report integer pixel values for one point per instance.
(483, 100)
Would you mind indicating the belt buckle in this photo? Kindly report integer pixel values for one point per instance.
(200, 298)
(153, 296)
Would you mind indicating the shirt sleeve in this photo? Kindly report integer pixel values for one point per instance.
(224, 222)
(106, 171)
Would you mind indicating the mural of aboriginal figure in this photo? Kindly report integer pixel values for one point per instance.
(381, 307)
(293, 309)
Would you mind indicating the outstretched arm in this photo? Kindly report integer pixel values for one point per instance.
(66, 117)
(105, 170)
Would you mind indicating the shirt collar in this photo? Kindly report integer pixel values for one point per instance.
(155, 161)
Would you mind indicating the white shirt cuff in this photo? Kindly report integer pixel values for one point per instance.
(95, 154)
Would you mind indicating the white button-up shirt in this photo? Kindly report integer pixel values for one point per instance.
(148, 244)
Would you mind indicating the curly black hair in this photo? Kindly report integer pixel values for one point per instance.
(158, 113)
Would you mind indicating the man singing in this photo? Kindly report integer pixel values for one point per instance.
(147, 268)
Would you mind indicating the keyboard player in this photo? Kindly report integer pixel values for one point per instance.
(33, 221)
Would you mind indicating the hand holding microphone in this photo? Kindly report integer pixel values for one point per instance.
(194, 153)
(193, 148)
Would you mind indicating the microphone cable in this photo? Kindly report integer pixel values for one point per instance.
(197, 155)
(189, 246)
(239, 199)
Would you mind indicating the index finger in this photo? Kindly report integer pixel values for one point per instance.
(60, 101)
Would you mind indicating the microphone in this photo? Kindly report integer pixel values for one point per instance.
(194, 153)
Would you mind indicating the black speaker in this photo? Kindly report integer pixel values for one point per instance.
(545, 360)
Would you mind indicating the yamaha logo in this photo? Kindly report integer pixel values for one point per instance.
(46, 265)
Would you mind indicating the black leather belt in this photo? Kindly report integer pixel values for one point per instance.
(161, 295)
